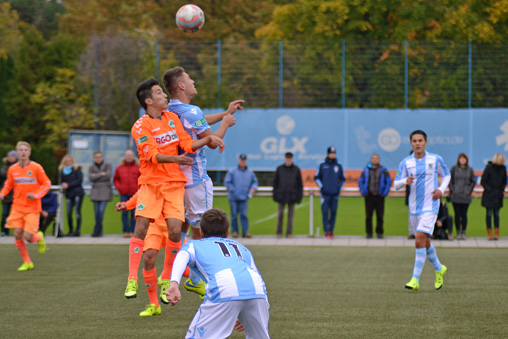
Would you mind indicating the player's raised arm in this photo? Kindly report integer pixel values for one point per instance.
(216, 117)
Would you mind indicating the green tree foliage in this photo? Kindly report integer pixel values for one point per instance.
(63, 107)
(42, 14)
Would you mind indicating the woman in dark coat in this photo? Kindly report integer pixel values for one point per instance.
(461, 188)
(494, 183)
(287, 190)
(71, 179)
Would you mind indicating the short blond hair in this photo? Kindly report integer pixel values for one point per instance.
(498, 159)
(23, 143)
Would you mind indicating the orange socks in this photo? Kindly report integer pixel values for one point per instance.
(171, 250)
(20, 244)
(150, 278)
(135, 254)
(35, 238)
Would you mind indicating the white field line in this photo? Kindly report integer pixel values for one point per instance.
(274, 215)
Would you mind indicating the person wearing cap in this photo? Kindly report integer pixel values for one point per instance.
(9, 160)
(287, 190)
(241, 183)
(330, 179)
(374, 184)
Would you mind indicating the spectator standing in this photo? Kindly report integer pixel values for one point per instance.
(241, 183)
(100, 173)
(330, 179)
(9, 160)
(49, 206)
(374, 183)
(287, 190)
(461, 189)
(71, 178)
(443, 227)
(494, 183)
(126, 182)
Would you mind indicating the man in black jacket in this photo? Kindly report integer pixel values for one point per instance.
(287, 189)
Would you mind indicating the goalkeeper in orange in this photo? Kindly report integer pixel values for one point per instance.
(30, 184)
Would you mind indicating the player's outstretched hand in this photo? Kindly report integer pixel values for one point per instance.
(173, 293)
(239, 326)
(2, 197)
(120, 206)
(436, 194)
(215, 142)
(183, 159)
(229, 120)
(234, 106)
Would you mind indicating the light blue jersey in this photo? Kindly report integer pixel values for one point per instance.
(194, 123)
(425, 171)
(226, 266)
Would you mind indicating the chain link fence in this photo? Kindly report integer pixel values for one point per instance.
(291, 74)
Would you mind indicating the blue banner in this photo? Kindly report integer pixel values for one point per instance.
(265, 135)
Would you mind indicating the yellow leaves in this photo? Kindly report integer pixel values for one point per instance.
(9, 29)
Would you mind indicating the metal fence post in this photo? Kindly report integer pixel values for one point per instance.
(406, 70)
(343, 74)
(157, 59)
(311, 213)
(281, 74)
(96, 83)
(219, 64)
(470, 75)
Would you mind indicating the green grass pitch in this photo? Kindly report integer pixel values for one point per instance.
(263, 212)
(322, 292)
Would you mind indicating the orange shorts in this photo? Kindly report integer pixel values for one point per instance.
(157, 234)
(165, 198)
(29, 222)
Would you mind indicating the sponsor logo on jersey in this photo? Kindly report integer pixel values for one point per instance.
(142, 139)
(166, 138)
(200, 122)
(193, 111)
(171, 123)
(141, 207)
(201, 331)
(25, 181)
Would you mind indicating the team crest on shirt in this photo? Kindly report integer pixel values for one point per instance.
(171, 123)
(141, 207)
(29, 173)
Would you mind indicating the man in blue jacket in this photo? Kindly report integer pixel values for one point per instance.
(330, 178)
(374, 185)
(241, 183)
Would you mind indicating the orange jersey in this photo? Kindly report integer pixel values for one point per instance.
(160, 136)
(28, 179)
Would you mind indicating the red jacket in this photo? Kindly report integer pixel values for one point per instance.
(126, 178)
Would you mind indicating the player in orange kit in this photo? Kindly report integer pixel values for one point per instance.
(30, 184)
(155, 240)
(158, 135)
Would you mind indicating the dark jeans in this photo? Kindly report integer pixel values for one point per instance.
(5, 213)
(460, 216)
(127, 222)
(239, 206)
(494, 211)
(45, 222)
(99, 208)
(374, 203)
(280, 218)
(329, 205)
(76, 203)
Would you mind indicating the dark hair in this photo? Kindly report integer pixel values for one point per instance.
(170, 77)
(464, 156)
(215, 223)
(145, 91)
(418, 131)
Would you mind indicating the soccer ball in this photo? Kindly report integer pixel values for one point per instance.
(190, 18)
